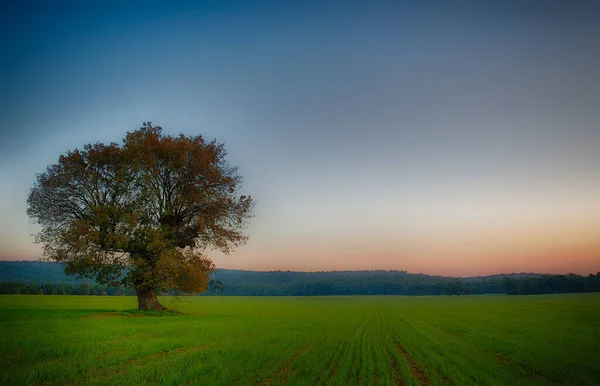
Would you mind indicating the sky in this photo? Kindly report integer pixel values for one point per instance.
(454, 139)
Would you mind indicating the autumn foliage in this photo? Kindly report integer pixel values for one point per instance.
(141, 214)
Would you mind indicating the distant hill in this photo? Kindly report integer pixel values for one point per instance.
(50, 272)
(352, 283)
(36, 272)
(240, 282)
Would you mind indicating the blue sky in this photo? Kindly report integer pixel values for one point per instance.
(444, 139)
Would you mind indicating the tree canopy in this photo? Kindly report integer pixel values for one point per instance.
(141, 214)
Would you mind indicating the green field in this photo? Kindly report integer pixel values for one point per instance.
(504, 340)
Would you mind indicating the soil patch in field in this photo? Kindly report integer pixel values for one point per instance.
(414, 367)
(104, 315)
(397, 376)
(130, 314)
(285, 371)
(532, 373)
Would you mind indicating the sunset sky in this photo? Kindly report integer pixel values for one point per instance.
(459, 140)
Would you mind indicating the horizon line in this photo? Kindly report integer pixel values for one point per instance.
(355, 270)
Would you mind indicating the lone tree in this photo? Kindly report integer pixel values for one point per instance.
(456, 288)
(141, 214)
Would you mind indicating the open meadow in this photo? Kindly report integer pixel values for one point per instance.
(503, 340)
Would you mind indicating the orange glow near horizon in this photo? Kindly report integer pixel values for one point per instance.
(469, 232)
(550, 249)
(583, 260)
(539, 246)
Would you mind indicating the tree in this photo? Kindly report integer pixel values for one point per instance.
(215, 285)
(456, 288)
(141, 214)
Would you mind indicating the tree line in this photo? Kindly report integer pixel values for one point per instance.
(38, 278)
(551, 284)
(400, 283)
(84, 288)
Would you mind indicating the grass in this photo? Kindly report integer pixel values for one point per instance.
(479, 340)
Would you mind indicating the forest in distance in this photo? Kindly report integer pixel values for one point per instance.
(27, 277)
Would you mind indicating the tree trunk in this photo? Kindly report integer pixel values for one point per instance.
(147, 300)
